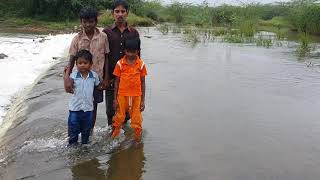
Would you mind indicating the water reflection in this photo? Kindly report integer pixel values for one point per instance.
(88, 170)
(125, 164)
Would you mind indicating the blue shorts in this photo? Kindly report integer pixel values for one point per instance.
(79, 122)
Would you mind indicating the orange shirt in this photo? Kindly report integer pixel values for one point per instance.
(130, 76)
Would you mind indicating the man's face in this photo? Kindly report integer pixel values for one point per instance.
(120, 14)
(89, 24)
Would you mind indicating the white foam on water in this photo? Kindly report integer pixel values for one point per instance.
(2, 157)
(106, 129)
(115, 143)
(28, 57)
(41, 145)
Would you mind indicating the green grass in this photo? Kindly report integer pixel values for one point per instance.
(135, 20)
(16, 22)
(63, 25)
(236, 38)
(44, 27)
(247, 28)
(163, 28)
(304, 47)
(264, 42)
(277, 22)
(105, 18)
(37, 26)
(278, 25)
(192, 34)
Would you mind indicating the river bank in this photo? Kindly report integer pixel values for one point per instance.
(34, 26)
(39, 26)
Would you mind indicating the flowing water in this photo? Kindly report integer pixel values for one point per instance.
(28, 56)
(214, 111)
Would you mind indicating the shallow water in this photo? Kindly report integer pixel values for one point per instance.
(213, 111)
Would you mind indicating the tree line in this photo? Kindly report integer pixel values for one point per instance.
(299, 15)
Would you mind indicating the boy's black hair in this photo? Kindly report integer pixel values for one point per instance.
(132, 44)
(117, 3)
(88, 12)
(85, 54)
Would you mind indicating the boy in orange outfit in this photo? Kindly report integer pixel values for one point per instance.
(129, 90)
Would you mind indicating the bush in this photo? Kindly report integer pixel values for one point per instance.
(304, 16)
(177, 10)
(135, 20)
(153, 15)
(105, 18)
(50, 9)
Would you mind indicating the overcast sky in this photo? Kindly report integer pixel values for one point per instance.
(219, 2)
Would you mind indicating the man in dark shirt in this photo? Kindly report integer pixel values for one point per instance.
(117, 34)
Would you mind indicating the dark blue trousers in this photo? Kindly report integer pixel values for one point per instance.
(79, 122)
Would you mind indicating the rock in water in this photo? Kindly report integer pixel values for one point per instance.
(2, 56)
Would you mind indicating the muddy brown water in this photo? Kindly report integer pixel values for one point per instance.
(214, 111)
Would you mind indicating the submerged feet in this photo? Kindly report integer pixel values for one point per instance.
(115, 132)
(137, 133)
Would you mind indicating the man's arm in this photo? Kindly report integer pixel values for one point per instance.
(105, 81)
(116, 87)
(138, 36)
(69, 67)
(143, 91)
(68, 84)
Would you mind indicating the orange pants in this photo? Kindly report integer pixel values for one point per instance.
(132, 105)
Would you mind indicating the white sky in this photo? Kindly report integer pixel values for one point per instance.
(219, 2)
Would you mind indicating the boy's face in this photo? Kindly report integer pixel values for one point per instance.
(83, 65)
(131, 54)
(89, 24)
(120, 14)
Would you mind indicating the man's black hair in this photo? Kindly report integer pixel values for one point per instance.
(85, 54)
(88, 13)
(132, 44)
(117, 3)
